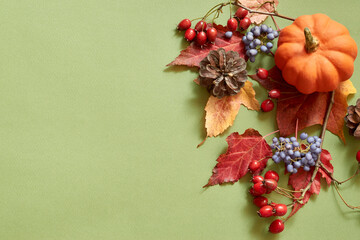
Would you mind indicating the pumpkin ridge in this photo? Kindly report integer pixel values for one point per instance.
(320, 34)
(321, 70)
(352, 52)
(295, 74)
(339, 69)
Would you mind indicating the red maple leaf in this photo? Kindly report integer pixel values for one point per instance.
(241, 151)
(301, 179)
(193, 54)
(307, 109)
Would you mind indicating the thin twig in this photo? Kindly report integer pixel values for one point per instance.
(348, 205)
(356, 173)
(331, 175)
(276, 25)
(275, 14)
(326, 119)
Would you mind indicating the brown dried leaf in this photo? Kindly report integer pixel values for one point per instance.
(259, 5)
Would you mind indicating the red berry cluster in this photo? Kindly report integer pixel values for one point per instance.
(267, 105)
(244, 22)
(201, 33)
(265, 185)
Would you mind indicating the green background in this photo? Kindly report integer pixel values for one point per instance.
(98, 138)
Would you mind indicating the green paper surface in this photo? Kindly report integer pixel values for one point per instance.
(98, 138)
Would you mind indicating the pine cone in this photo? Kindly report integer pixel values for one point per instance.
(352, 119)
(223, 73)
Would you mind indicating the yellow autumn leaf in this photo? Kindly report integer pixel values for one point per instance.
(221, 113)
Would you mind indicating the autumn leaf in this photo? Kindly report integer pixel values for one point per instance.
(193, 54)
(308, 109)
(259, 5)
(242, 149)
(302, 178)
(221, 113)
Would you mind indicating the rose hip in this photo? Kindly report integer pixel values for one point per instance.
(184, 24)
(200, 26)
(260, 201)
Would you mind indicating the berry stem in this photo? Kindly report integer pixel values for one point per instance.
(230, 7)
(288, 190)
(216, 8)
(317, 166)
(196, 19)
(275, 14)
(285, 194)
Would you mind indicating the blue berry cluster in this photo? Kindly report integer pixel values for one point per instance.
(297, 154)
(259, 38)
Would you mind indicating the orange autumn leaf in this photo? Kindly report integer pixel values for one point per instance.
(221, 113)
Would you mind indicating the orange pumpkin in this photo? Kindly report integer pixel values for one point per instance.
(315, 54)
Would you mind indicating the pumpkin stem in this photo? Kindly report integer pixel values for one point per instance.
(312, 43)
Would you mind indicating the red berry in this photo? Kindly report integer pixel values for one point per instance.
(260, 201)
(267, 105)
(266, 211)
(200, 26)
(272, 175)
(241, 13)
(280, 210)
(184, 24)
(190, 34)
(262, 73)
(259, 189)
(257, 179)
(276, 226)
(358, 156)
(275, 93)
(201, 38)
(270, 184)
(251, 191)
(232, 24)
(245, 23)
(254, 165)
(211, 34)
